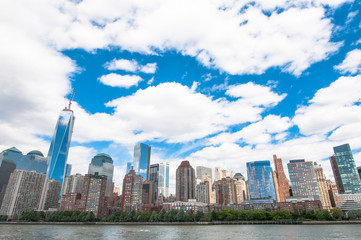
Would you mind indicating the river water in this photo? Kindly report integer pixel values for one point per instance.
(183, 232)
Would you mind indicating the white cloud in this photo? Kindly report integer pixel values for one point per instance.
(234, 36)
(255, 94)
(148, 68)
(80, 158)
(352, 63)
(331, 107)
(122, 64)
(131, 66)
(117, 80)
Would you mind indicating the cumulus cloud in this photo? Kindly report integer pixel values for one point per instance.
(130, 66)
(331, 107)
(234, 36)
(80, 157)
(351, 64)
(122, 81)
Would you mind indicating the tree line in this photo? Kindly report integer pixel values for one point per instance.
(188, 216)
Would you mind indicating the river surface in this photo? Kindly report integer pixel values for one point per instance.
(183, 232)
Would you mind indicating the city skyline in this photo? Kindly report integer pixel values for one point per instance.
(232, 83)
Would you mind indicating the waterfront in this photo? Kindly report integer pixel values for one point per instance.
(156, 232)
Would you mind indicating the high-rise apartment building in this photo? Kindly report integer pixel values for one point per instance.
(132, 189)
(260, 180)
(147, 192)
(141, 160)
(226, 191)
(185, 182)
(201, 171)
(73, 184)
(23, 192)
(241, 187)
(303, 178)
(52, 198)
(281, 180)
(344, 170)
(103, 165)
(332, 191)
(202, 192)
(322, 186)
(225, 173)
(93, 194)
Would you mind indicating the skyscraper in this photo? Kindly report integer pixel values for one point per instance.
(73, 184)
(154, 179)
(281, 179)
(322, 186)
(129, 166)
(32, 161)
(59, 147)
(185, 182)
(163, 182)
(201, 171)
(141, 160)
(226, 191)
(23, 192)
(68, 170)
(344, 170)
(132, 189)
(6, 168)
(217, 174)
(260, 180)
(303, 179)
(103, 165)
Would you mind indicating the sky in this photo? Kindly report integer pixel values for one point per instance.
(215, 82)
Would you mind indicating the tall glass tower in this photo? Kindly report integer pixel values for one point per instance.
(344, 169)
(59, 147)
(163, 183)
(141, 160)
(260, 178)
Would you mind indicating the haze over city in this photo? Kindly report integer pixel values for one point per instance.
(218, 83)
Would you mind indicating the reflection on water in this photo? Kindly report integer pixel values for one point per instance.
(183, 232)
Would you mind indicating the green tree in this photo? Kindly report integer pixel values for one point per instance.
(180, 217)
(90, 217)
(162, 215)
(199, 216)
(189, 217)
(281, 215)
(172, 215)
(132, 216)
(154, 217)
(336, 213)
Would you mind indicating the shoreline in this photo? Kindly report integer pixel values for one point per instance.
(190, 223)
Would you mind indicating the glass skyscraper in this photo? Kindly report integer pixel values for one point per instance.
(344, 169)
(59, 147)
(102, 164)
(141, 160)
(260, 180)
(163, 183)
(129, 166)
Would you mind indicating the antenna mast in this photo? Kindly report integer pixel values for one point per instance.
(71, 98)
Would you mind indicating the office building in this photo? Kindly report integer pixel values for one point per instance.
(141, 160)
(201, 171)
(103, 165)
(147, 192)
(154, 178)
(185, 182)
(129, 166)
(344, 170)
(6, 168)
(202, 192)
(163, 182)
(217, 174)
(68, 170)
(22, 193)
(332, 191)
(59, 147)
(322, 186)
(32, 161)
(281, 180)
(260, 180)
(303, 179)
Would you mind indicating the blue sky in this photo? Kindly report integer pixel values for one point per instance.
(218, 83)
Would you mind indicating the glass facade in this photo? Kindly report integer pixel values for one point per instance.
(129, 166)
(33, 161)
(68, 170)
(163, 184)
(347, 169)
(141, 160)
(59, 147)
(103, 165)
(260, 179)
